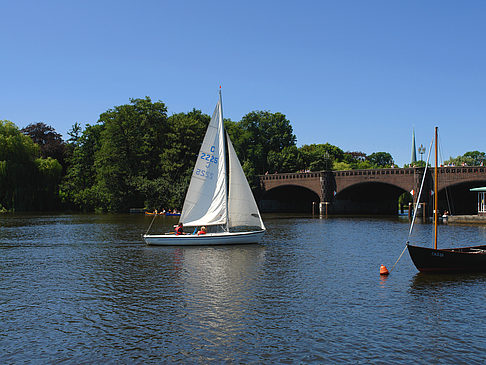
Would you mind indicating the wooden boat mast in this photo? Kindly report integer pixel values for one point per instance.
(436, 193)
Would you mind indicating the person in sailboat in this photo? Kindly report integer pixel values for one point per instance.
(202, 231)
(179, 229)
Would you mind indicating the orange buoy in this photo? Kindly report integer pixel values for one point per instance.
(384, 270)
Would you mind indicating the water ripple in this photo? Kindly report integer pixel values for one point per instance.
(84, 289)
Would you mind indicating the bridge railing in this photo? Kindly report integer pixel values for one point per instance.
(295, 175)
(461, 169)
(374, 172)
(364, 172)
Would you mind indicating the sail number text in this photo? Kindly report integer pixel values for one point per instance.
(208, 157)
(204, 173)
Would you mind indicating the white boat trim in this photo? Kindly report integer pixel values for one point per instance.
(222, 238)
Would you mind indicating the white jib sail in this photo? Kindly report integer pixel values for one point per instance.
(242, 207)
(205, 202)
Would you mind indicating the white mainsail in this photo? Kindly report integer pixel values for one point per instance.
(206, 198)
(242, 207)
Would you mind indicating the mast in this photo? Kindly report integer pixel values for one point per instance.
(436, 193)
(224, 158)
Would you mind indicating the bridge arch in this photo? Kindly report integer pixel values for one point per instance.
(405, 179)
(457, 199)
(289, 198)
(370, 197)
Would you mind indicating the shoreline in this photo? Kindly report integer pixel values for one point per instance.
(467, 219)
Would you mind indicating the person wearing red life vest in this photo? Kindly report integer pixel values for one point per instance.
(179, 229)
(202, 231)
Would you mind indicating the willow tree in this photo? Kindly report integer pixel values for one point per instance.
(27, 181)
(17, 167)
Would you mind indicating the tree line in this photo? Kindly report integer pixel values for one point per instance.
(136, 155)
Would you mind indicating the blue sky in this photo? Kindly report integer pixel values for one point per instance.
(356, 74)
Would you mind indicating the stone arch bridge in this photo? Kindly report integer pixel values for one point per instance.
(370, 191)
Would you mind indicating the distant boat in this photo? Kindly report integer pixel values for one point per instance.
(450, 260)
(219, 196)
(172, 214)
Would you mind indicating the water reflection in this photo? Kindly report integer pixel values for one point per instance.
(430, 281)
(219, 290)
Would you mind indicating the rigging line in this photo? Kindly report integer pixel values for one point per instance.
(399, 257)
(420, 192)
(416, 207)
(150, 226)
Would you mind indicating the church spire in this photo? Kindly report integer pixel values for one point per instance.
(414, 150)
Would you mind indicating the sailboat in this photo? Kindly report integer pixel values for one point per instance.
(219, 196)
(446, 260)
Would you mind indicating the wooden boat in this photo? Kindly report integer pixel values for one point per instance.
(219, 196)
(464, 259)
(453, 260)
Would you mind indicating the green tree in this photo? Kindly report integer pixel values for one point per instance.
(357, 160)
(184, 137)
(17, 168)
(78, 188)
(354, 157)
(287, 160)
(380, 160)
(132, 143)
(75, 133)
(320, 162)
(240, 138)
(341, 166)
(47, 187)
(320, 157)
(471, 158)
(362, 165)
(262, 132)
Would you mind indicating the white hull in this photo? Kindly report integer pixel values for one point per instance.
(209, 239)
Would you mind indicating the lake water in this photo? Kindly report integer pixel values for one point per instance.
(85, 289)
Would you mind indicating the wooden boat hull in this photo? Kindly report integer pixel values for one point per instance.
(209, 239)
(466, 259)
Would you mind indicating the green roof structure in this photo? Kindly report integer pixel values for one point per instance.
(478, 189)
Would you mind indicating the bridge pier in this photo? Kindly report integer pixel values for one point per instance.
(323, 208)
